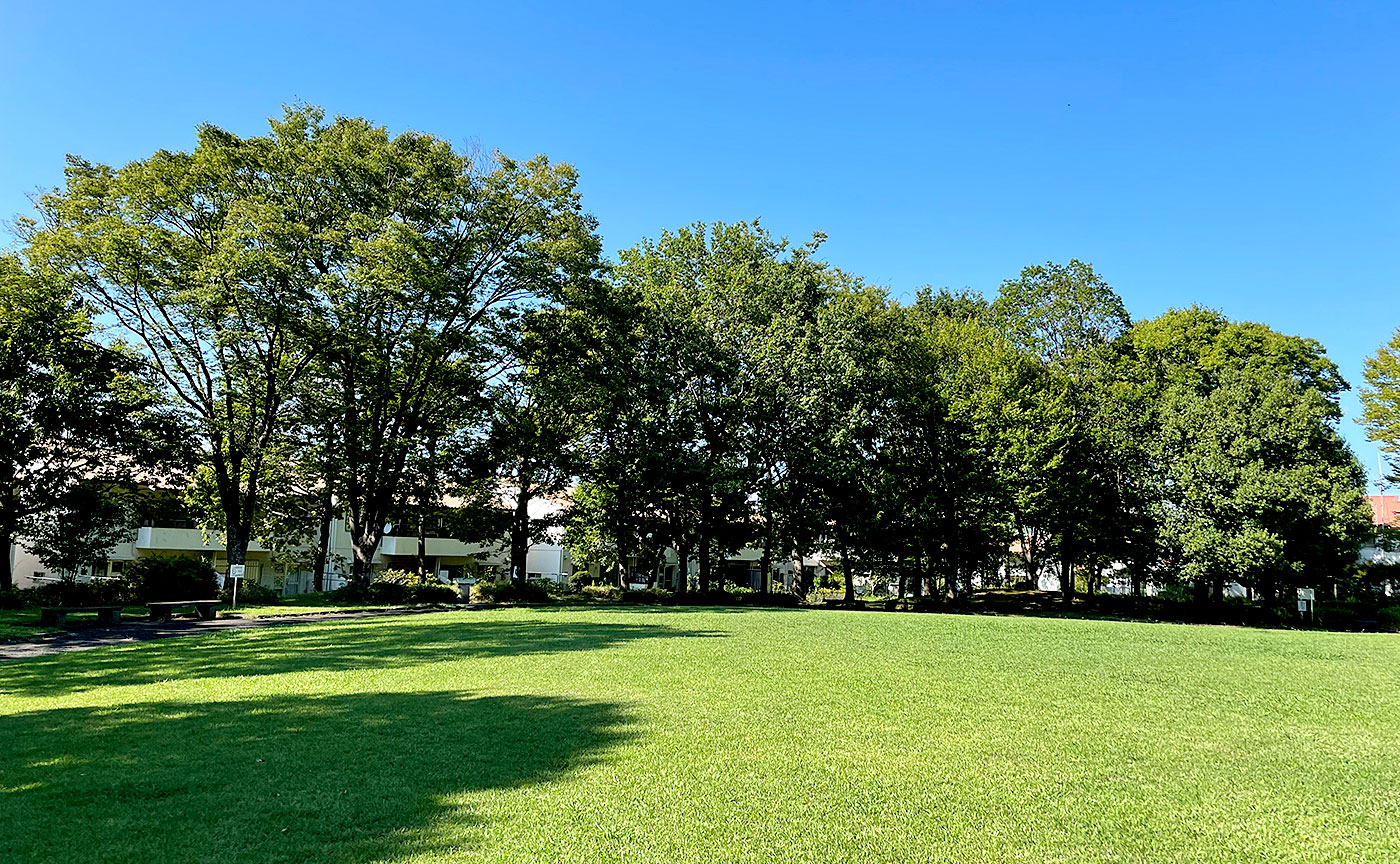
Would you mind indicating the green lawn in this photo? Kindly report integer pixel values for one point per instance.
(695, 736)
(300, 604)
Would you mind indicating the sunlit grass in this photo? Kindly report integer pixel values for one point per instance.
(707, 735)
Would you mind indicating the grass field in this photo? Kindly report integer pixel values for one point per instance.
(707, 735)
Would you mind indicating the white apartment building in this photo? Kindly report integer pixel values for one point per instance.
(449, 558)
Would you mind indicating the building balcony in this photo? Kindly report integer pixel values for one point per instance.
(435, 547)
(181, 540)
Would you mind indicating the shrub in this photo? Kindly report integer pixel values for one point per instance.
(512, 592)
(434, 593)
(555, 589)
(387, 592)
(70, 592)
(1388, 619)
(169, 577)
(601, 592)
(250, 594)
(13, 598)
(579, 579)
(647, 595)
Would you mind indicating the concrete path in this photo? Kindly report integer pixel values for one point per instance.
(84, 638)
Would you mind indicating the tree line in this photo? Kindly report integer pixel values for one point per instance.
(331, 321)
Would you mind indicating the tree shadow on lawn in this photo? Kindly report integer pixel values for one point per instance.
(360, 777)
(335, 647)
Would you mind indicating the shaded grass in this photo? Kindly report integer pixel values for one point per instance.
(707, 735)
(22, 625)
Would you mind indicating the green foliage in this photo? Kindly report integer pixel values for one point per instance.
(79, 526)
(531, 591)
(1380, 399)
(1388, 619)
(1255, 483)
(169, 577)
(601, 592)
(398, 587)
(651, 596)
(78, 419)
(251, 594)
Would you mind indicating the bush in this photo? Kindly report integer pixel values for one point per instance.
(397, 587)
(434, 593)
(601, 592)
(647, 595)
(506, 591)
(578, 579)
(1388, 619)
(168, 577)
(13, 598)
(250, 594)
(70, 592)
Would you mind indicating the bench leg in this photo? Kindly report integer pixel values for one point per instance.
(108, 619)
(160, 617)
(205, 612)
(49, 618)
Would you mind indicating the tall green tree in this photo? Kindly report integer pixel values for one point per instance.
(78, 418)
(425, 260)
(1066, 316)
(205, 261)
(1380, 400)
(1255, 483)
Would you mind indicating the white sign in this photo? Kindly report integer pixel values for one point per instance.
(1307, 594)
(235, 571)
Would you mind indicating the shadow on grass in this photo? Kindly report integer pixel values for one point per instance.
(334, 647)
(365, 777)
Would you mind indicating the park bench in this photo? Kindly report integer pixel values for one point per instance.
(54, 616)
(163, 609)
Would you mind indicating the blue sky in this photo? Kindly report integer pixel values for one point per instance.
(1239, 155)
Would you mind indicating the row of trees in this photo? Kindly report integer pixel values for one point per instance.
(758, 397)
(332, 321)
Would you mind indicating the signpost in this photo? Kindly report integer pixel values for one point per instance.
(1306, 598)
(235, 572)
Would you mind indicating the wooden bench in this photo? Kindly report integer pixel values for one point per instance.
(163, 609)
(54, 616)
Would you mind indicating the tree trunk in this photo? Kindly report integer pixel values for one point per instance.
(930, 573)
(705, 573)
(7, 576)
(236, 549)
(520, 533)
(765, 566)
(682, 581)
(420, 564)
(846, 571)
(362, 569)
(903, 576)
(318, 565)
(1067, 578)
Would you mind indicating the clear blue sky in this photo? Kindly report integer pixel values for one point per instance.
(1241, 155)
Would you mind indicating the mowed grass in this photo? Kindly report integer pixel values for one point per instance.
(670, 735)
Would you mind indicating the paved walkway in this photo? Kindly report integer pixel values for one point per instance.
(84, 638)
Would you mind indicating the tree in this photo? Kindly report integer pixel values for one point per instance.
(76, 418)
(1255, 484)
(435, 255)
(78, 527)
(1060, 311)
(1380, 399)
(1066, 315)
(206, 261)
